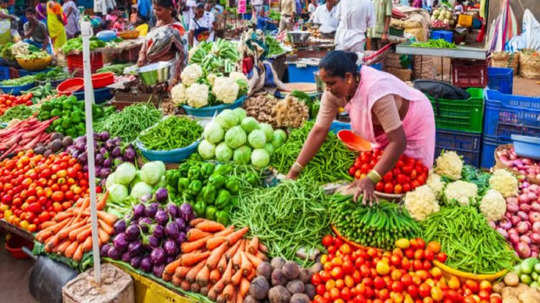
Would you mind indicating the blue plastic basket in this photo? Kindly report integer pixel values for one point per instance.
(501, 79)
(338, 125)
(101, 95)
(169, 156)
(509, 114)
(447, 36)
(489, 144)
(209, 111)
(528, 147)
(466, 144)
(301, 74)
(24, 72)
(4, 73)
(16, 90)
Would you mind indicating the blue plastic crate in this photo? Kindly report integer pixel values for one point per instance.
(448, 36)
(489, 144)
(16, 90)
(501, 79)
(338, 125)
(510, 114)
(527, 147)
(4, 73)
(209, 111)
(302, 74)
(101, 95)
(466, 144)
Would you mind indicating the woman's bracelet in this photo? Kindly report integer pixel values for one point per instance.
(374, 176)
(297, 166)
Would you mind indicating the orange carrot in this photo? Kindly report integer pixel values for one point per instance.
(239, 298)
(222, 264)
(53, 230)
(79, 230)
(196, 221)
(244, 287)
(103, 236)
(263, 248)
(193, 258)
(228, 292)
(227, 274)
(51, 243)
(106, 227)
(214, 242)
(192, 273)
(181, 271)
(188, 247)
(216, 289)
(253, 245)
(237, 258)
(237, 235)
(70, 250)
(196, 234)
(108, 218)
(77, 256)
(237, 277)
(47, 224)
(216, 254)
(87, 244)
(215, 275)
(261, 255)
(84, 234)
(171, 267)
(166, 276)
(64, 233)
(245, 265)
(63, 215)
(101, 203)
(230, 253)
(185, 285)
(252, 275)
(62, 246)
(176, 281)
(227, 231)
(203, 276)
(210, 226)
(254, 260)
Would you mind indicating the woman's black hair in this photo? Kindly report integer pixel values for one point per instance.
(338, 63)
(167, 4)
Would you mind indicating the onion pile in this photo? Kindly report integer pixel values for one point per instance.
(524, 166)
(521, 224)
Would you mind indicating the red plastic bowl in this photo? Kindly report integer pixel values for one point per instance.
(70, 85)
(353, 141)
(14, 246)
(102, 79)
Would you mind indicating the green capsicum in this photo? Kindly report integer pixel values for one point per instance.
(222, 217)
(209, 193)
(252, 179)
(199, 208)
(172, 177)
(223, 199)
(211, 213)
(183, 169)
(207, 169)
(183, 184)
(195, 187)
(233, 185)
(194, 172)
(217, 180)
(223, 169)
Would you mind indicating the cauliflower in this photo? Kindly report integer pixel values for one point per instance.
(461, 191)
(504, 182)
(421, 202)
(449, 164)
(238, 76)
(197, 95)
(178, 94)
(493, 205)
(225, 89)
(211, 78)
(435, 183)
(191, 74)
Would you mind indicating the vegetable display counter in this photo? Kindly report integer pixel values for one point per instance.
(461, 52)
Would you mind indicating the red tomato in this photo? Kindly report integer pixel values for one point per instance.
(388, 188)
(379, 186)
(409, 252)
(427, 265)
(379, 283)
(346, 293)
(495, 299)
(352, 170)
(388, 177)
(472, 285)
(429, 255)
(417, 265)
(398, 189)
(358, 174)
(413, 291)
(424, 290)
(327, 240)
(395, 260)
(484, 294)
(441, 257)
(397, 286)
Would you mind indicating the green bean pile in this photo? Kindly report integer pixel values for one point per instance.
(330, 164)
(17, 112)
(171, 133)
(468, 240)
(379, 225)
(286, 217)
(128, 123)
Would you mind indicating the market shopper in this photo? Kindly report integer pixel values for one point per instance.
(55, 24)
(288, 12)
(378, 34)
(164, 42)
(72, 16)
(35, 32)
(7, 34)
(326, 16)
(383, 110)
(41, 10)
(355, 18)
(200, 26)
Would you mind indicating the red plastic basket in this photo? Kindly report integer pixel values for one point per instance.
(102, 79)
(14, 246)
(75, 63)
(469, 73)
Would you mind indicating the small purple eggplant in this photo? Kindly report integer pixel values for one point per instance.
(171, 249)
(114, 253)
(158, 231)
(171, 230)
(120, 242)
(146, 264)
(173, 210)
(158, 270)
(144, 223)
(135, 248)
(161, 195)
(116, 152)
(161, 217)
(170, 259)
(153, 242)
(132, 232)
(129, 153)
(105, 250)
(151, 210)
(126, 257)
(181, 223)
(135, 262)
(157, 256)
(138, 211)
(120, 226)
(181, 238)
(107, 162)
(186, 212)
(104, 136)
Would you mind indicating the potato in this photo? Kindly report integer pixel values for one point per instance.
(304, 275)
(498, 287)
(511, 279)
(250, 299)
(315, 268)
(259, 288)
(309, 289)
(279, 294)
(530, 295)
(511, 299)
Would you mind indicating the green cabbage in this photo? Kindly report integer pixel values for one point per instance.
(257, 139)
(223, 152)
(260, 158)
(240, 113)
(111, 180)
(267, 129)
(140, 189)
(125, 173)
(269, 148)
(279, 137)
(213, 133)
(235, 137)
(206, 150)
(249, 124)
(117, 192)
(151, 172)
(242, 155)
(227, 119)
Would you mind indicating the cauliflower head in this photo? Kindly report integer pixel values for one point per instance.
(461, 191)
(225, 89)
(197, 95)
(421, 203)
(493, 205)
(191, 74)
(238, 76)
(449, 164)
(211, 78)
(436, 184)
(504, 182)
(178, 94)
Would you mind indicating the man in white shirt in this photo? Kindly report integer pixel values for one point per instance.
(258, 7)
(355, 17)
(326, 16)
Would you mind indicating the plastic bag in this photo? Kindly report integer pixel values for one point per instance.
(529, 38)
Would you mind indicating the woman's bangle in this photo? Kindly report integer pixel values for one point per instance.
(297, 166)
(374, 176)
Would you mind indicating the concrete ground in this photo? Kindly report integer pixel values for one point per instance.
(14, 275)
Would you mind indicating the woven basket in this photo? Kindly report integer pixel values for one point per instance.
(529, 65)
(34, 64)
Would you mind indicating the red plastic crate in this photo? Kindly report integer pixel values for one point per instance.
(469, 73)
(75, 63)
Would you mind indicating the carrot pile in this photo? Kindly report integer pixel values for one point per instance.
(69, 233)
(216, 261)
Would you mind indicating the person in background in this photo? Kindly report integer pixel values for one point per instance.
(258, 7)
(35, 32)
(383, 110)
(355, 18)
(208, 11)
(288, 12)
(326, 15)
(144, 7)
(41, 11)
(458, 8)
(313, 4)
(133, 16)
(189, 12)
(417, 3)
(7, 34)
(72, 16)
(200, 26)
(55, 25)
(379, 33)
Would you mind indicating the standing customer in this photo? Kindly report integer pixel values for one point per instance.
(258, 7)
(326, 16)
(288, 12)
(313, 4)
(72, 16)
(41, 11)
(55, 24)
(355, 17)
(200, 26)
(35, 32)
(379, 33)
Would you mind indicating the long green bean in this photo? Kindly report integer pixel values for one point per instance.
(128, 123)
(170, 133)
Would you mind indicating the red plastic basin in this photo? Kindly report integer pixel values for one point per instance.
(353, 142)
(102, 79)
(14, 246)
(70, 85)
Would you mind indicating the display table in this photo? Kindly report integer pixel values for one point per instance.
(461, 52)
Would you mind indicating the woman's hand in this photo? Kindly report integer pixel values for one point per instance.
(366, 188)
(293, 174)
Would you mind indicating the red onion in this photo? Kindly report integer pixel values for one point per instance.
(518, 163)
(503, 232)
(525, 238)
(526, 161)
(535, 238)
(535, 206)
(523, 227)
(524, 250)
(505, 224)
(534, 216)
(523, 215)
(525, 207)
(514, 238)
(512, 207)
(523, 198)
(508, 215)
(532, 196)
(536, 227)
(515, 220)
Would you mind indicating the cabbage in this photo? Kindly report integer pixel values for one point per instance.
(249, 124)
(257, 139)
(242, 155)
(279, 137)
(269, 148)
(227, 119)
(140, 189)
(117, 192)
(136, 180)
(125, 173)
(240, 113)
(223, 152)
(213, 133)
(267, 129)
(206, 150)
(151, 172)
(260, 158)
(111, 179)
(235, 137)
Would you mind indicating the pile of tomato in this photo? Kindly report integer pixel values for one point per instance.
(404, 275)
(33, 188)
(7, 101)
(407, 175)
